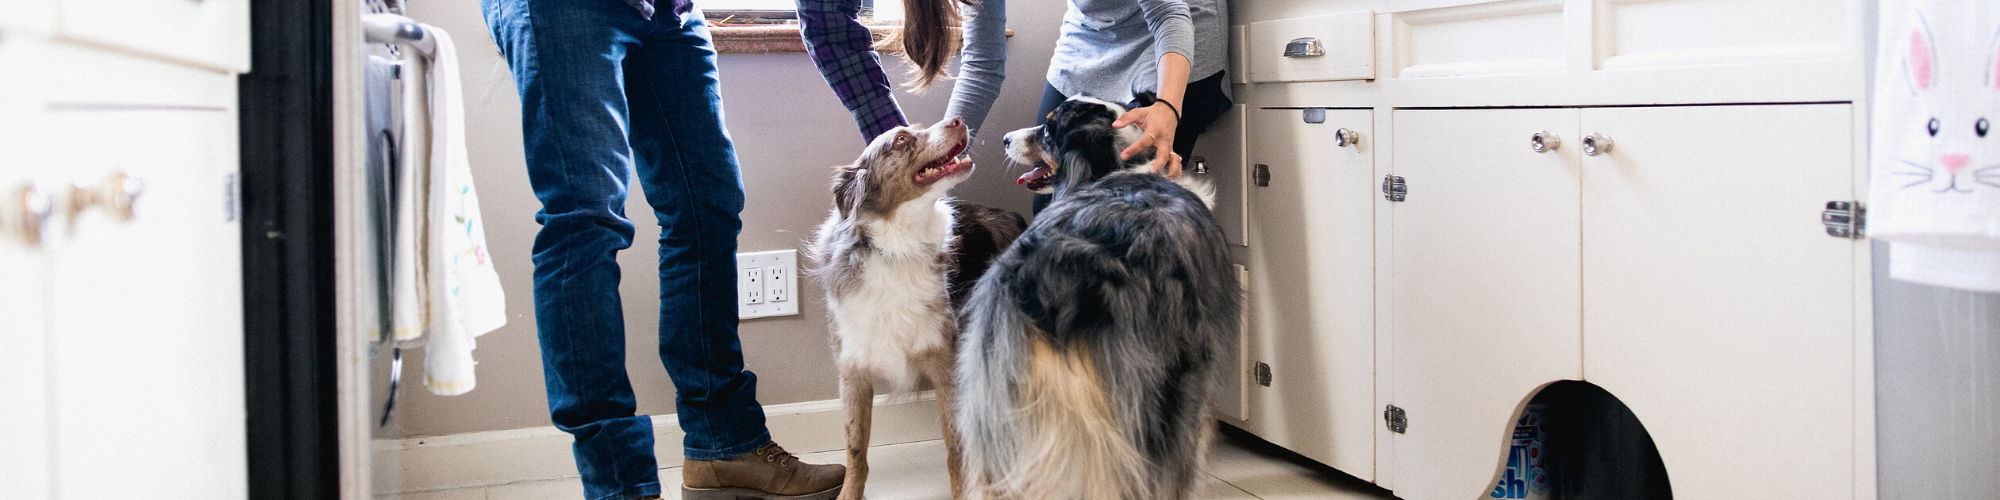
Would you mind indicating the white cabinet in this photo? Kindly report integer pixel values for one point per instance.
(24, 423)
(1486, 287)
(124, 371)
(1312, 286)
(1220, 150)
(209, 33)
(1715, 306)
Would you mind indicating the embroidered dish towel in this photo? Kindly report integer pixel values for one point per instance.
(1935, 181)
(464, 293)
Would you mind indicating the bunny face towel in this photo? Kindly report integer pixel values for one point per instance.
(1935, 180)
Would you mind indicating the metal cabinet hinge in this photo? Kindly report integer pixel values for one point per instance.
(1263, 374)
(1393, 188)
(1845, 219)
(1399, 422)
(1199, 164)
(1261, 175)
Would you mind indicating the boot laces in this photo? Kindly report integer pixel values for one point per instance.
(777, 454)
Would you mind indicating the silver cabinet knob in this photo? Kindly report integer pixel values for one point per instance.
(1596, 144)
(116, 195)
(1344, 138)
(1304, 47)
(1544, 142)
(24, 213)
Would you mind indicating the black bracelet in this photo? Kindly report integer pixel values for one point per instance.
(1177, 111)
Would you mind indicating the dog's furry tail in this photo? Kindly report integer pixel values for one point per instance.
(1047, 433)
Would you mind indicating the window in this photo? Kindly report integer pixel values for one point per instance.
(782, 11)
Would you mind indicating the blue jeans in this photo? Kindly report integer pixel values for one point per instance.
(605, 92)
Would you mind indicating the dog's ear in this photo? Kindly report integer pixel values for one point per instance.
(1087, 154)
(1143, 99)
(849, 189)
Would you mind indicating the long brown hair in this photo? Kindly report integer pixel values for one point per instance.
(927, 37)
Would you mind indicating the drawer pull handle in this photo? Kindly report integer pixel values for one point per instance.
(24, 214)
(1304, 47)
(1344, 138)
(1596, 144)
(1543, 142)
(116, 196)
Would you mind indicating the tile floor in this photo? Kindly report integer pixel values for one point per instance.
(1239, 469)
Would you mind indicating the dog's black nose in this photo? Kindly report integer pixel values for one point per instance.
(1006, 141)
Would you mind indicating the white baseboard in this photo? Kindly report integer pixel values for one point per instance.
(542, 453)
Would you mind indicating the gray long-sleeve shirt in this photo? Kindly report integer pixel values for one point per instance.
(1109, 49)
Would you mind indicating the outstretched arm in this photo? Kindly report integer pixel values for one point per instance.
(1173, 39)
(982, 65)
(844, 51)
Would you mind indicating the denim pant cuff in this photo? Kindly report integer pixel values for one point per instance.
(636, 491)
(762, 438)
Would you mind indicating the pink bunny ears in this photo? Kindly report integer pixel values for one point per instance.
(1921, 64)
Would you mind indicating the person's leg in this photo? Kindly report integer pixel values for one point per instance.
(1050, 99)
(687, 165)
(1205, 103)
(565, 60)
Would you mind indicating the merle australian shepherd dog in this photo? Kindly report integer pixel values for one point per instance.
(1091, 346)
(898, 257)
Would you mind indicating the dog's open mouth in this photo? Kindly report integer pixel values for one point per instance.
(951, 164)
(1037, 179)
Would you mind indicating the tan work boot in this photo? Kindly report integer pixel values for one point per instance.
(770, 473)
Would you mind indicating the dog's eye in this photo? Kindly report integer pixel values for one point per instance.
(1982, 127)
(904, 139)
(1934, 125)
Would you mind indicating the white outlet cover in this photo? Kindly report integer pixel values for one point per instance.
(779, 279)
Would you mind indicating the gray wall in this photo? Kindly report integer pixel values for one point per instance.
(1937, 389)
(789, 130)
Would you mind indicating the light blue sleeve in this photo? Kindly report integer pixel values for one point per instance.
(982, 64)
(1172, 27)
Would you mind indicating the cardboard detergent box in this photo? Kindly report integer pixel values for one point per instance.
(1526, 475)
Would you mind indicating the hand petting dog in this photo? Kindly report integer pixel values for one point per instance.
(1159, 122)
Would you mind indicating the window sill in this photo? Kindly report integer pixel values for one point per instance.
(783, 39)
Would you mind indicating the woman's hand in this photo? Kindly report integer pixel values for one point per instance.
(1158, 122)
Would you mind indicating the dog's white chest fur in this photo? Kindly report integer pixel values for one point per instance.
(900, 307)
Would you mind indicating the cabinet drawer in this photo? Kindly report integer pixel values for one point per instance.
(208, 33)
(1345, 48)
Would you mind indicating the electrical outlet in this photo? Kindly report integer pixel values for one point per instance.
(776, 285)
(777, 281)
(750, 286)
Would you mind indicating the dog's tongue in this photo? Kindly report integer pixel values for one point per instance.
(1033, 175)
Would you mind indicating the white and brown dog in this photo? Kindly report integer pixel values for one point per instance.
(897, 258)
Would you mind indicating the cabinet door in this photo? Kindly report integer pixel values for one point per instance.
(1221, 150)
(210, 33)
(27, 16)
(1312, 265)
(1715, 305)
(1486, 287)
(145, 315)
(24, 421)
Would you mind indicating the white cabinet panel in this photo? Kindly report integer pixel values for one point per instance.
(145, 316)
(1221, 149)
(1715, 305)
(24, 424)
(211, 33)
(1312, 260)
(27, 16)
(1486, 287)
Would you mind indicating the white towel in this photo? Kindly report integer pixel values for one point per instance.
(1935, 181)
(444, 289)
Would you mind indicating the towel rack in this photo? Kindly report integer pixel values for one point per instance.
(400, 142)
